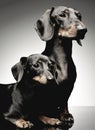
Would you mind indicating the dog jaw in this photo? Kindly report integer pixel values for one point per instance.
(69, 32)
(41, 79)
(73, 33)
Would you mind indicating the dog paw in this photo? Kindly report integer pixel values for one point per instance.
(67, 119)
(53, 121)
(21, 123)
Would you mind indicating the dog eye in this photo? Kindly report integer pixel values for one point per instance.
(78, 15)
(63, 14)
(50, 65)
(36, 65)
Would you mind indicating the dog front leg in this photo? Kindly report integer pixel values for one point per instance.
(66, 117)
(15, 118)
(49, 121)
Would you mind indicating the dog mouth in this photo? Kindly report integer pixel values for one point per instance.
(43, 79)
(81, 33)
(69, 32)
(72, 33)
(80, 36)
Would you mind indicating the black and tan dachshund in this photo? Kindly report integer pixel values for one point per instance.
(59, 26)
(23, 100)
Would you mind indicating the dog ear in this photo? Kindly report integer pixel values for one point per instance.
(18, 69)
(23, 61)
(44, 26)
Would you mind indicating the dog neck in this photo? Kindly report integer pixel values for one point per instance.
(26, 84)
(60, 51)
(57, 47)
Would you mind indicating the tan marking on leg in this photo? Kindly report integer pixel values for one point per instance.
(48, 120)
(21, 123)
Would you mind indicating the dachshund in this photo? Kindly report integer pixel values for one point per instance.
(59, 26)
(25, 98)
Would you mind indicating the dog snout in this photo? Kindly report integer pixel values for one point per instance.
(44, 78)
(80, 25)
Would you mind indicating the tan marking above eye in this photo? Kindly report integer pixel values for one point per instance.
(78, 14)
(39, 61)
(64, 13)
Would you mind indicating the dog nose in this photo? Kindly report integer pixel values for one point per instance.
(49, 76)
(82, 32)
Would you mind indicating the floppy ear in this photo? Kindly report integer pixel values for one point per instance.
(18, 69)
(44, 26)
(23, 61)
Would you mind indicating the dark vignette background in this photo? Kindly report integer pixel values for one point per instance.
(18, 38)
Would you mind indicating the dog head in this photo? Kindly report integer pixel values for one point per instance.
(36, 67)
(66, 22)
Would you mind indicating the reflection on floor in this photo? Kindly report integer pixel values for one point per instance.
(84, 119)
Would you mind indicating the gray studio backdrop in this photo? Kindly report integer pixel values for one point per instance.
(18, 38)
